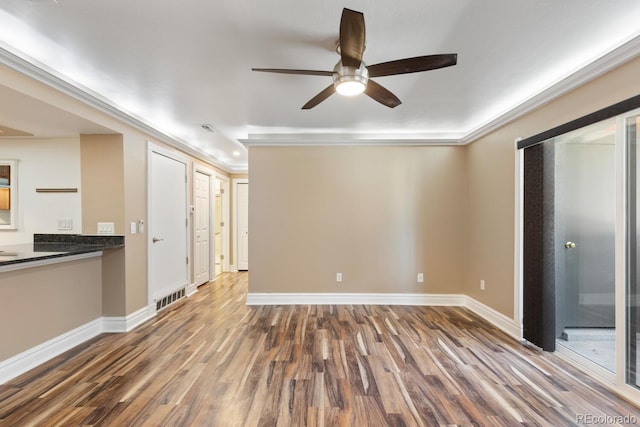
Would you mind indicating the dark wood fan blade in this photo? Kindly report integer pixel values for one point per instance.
(289, 71)
(352, 37)
(382, 95)
(412, 65)
(330, 90)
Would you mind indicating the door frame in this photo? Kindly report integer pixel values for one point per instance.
(197, 168)
(213, 175)
(163, 151)
(226, 212)
(235, 183)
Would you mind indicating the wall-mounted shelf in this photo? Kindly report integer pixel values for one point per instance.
(56, 190)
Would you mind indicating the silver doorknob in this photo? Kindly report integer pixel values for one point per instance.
(569, 245)
(155, 239)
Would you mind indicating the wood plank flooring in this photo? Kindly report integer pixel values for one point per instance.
(210, 360)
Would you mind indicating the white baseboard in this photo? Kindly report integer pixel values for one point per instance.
(191, 289)
(499, 320)
(353, 299)
(41, 353)
(21, 363)
(233, 268)
(29, 359)
(120, 324)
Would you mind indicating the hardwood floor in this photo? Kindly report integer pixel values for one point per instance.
(211, 360)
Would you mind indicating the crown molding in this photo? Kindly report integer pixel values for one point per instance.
(623, 53)
(607, 62)
(45, 75)
(347, 139)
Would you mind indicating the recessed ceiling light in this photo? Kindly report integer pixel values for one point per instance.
(236, 153)
(208, 127)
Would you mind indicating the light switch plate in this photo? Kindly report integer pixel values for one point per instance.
(134, 228)
(106, 228)
(65, 224)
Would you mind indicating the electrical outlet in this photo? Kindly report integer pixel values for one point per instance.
(482, 285)
(420, 278)
(338, 277)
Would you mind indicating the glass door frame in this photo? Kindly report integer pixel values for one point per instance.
(622, 247)
(615, 381)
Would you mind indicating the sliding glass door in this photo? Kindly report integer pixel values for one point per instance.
(581, 243)
(584, 225)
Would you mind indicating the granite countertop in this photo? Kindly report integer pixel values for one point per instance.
(47, 246)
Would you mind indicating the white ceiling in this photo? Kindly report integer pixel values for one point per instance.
(177, 65)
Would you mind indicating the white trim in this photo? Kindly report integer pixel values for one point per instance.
(599, 66)
(620, 250)
(13, 194)
(347, 139)
(30, 67)
(499, 320)
(43, 74)
(354, 299)
(233, 268)
(191, 289)
(518, 235)
(41, 353)
(197, 168)
(226, 218)
(234, 202)
(607, 62)
(120, 324)
(48, 261)
(35, 356)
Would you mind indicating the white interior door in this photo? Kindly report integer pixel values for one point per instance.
(243, 225)
(201, 228)
(168, 270)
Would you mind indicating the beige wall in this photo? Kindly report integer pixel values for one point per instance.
(490, 173)
(102, 171)
(41, 303)
(378, 215)
(135, 197)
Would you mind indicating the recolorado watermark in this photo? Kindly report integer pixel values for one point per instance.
(606, 419)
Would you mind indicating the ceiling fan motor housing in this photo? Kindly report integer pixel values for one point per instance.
(350, 80)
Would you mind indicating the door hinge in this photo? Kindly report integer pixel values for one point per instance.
(186, 222)
(187, 260)
(221, 224)
(222, 191)
(222, 256)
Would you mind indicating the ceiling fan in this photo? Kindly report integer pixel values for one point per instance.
(351, 76)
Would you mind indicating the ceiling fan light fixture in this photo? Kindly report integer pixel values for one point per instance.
(350, 81)
(350, 88)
